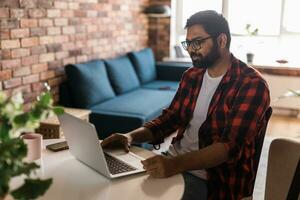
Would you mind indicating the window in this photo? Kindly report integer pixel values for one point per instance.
(291, 16)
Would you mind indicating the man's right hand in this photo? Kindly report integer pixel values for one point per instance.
(117, 140)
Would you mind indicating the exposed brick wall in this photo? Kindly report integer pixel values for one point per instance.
(38, 37)
(159, 32)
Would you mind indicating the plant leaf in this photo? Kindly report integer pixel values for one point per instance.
(31, 189)
(58, 110)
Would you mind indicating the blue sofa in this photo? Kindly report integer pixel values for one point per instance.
(122, 93)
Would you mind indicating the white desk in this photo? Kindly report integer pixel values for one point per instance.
(74, 180)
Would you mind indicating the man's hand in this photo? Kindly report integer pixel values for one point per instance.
(117, 140)
(161, 166)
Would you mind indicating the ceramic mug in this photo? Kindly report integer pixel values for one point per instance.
(34, 146)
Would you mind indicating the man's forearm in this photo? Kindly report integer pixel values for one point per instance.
(141, 135)
(207, 157)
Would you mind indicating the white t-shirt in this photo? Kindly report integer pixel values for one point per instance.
(190, 140)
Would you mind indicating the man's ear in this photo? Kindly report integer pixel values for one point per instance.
(222, 39)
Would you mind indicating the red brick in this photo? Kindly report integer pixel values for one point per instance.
(37, 31)
(9, 3)
(53, 13)
(38, 87)
(12, 83)
(68, 13)
(17, 13)
(68, 46)
(92, 13)
(38, 50)
(37, 68)
(47, 75)
(79, 13)
(30, 60)
(60, 5)
(60, 55)
(80, 59)
(4, 13)
(45, 4)
(29, 42)
(74, 5)
(19, 33)
(46, 40)
(25, 89)
(5, 74)
(22, 71)
(28, 23)
(9, 23)
(4, 33)
(68, 30)
(54, 31)
(37, 13)
(54, 48)
(31, 78)
(46, 57)
(61, 39)
(45, 22)
(70, 60)
(5, 54)
(6, 64)
(55, 64)
(18, 53)
(28, 3)
(10, 44)
(91, 28)
(61, 22)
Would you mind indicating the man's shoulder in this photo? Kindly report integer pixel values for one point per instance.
(249, 73)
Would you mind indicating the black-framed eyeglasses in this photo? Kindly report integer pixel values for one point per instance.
(196, 44)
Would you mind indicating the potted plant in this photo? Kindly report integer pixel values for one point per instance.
(250, 32)
(13, 121)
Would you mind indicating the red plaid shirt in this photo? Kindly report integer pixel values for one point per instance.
(235, 118)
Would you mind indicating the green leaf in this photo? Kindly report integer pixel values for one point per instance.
(21, 119)
(32, 189)
(45, 99)
(58, 110)
(25, 168)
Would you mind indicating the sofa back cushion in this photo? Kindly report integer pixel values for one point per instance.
(89, 83)
(122, 74)
(144, 64)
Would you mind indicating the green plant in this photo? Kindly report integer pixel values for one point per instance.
(14, 121)
(250, 31)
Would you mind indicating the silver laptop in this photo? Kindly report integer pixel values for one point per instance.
(84, 144)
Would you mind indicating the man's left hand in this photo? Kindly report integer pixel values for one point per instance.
(161, 166)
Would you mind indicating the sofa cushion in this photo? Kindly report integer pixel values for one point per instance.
(144, 64)
(122, 74)
(141, 103)
(89, 83)
(162, 85)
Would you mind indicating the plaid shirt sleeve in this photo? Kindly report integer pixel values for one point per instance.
(245, 116)
(168, 121)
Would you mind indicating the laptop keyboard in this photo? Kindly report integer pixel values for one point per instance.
(116, 166)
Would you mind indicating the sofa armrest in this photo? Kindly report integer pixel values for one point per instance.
(171, 71)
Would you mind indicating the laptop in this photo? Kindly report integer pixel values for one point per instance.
(84, 145)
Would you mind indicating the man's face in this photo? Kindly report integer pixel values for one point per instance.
(203, 49)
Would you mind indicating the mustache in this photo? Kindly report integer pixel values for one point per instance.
(196, 56)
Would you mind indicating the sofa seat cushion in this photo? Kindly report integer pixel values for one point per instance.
(122, 74)
(144, 64)
(88, 83)
(142, 103)
(162, 85)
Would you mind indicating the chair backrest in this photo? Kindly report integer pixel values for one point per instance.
(284, 155)
(261, 137)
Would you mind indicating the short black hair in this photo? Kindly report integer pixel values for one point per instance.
(212, 22)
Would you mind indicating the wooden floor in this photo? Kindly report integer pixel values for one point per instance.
(281, 126)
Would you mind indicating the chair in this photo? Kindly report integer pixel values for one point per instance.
(282, 176)
(260, 141)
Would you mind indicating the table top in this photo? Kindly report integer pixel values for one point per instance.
(74, 180)
(80, 113)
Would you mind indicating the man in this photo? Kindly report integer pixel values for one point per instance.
(218, 112)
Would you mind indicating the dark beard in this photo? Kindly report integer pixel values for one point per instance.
(209, 60)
